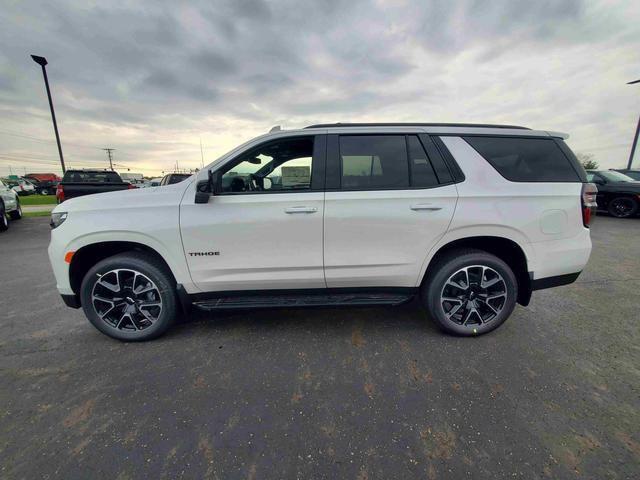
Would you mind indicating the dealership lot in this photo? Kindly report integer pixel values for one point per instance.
(325, 393)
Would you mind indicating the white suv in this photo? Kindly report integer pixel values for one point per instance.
(470, 218)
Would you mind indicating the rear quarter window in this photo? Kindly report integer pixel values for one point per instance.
(91, 177)
(525, 159)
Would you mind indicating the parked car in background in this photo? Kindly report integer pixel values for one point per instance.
(635, 174)
(20, 185)
(155, 182)
(469, 218)
(77, 183)
(172, 178)
(45, 183)
(618, 193)
(133, 178)
(9, 206)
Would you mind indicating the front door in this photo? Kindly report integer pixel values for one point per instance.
(263, 230)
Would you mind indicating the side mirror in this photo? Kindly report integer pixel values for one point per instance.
(206, 188)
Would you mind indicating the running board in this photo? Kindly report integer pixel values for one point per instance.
(290, 300)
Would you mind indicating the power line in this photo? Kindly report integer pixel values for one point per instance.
(43, 140)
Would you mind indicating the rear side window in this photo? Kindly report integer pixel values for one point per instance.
(373, 161)
(422, 173)
(525, 159)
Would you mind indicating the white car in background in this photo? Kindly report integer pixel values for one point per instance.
(9, 206)
(21, 186)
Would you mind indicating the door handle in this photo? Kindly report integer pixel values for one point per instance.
(425, 206)
(300, 210)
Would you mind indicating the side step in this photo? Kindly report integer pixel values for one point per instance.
(289, 300)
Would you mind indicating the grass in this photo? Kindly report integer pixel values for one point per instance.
(35, 214)
(38, 200)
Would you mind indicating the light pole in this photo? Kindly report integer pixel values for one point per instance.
(635, 138)
(42, 62)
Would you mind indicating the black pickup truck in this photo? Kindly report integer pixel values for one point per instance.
(76, 183)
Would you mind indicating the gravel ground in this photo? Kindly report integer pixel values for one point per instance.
(326, 393)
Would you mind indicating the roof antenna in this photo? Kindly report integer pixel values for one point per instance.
(277, 128)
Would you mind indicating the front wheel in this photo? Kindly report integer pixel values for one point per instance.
(623, 207)
(470, 292)
(130, 297)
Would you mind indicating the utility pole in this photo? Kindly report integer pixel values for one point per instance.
(110, 155)
(635, 138)
(42, 62)
(201, 153)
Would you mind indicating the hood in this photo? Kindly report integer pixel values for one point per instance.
(123, 199)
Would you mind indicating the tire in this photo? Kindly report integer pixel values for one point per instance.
(17, 213)
(44, 191)
(110, 316)
(4, 221)
(488, 300)
(623, 207)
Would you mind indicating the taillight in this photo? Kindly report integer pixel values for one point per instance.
(589, 192)
(131, 185)
(60, 193)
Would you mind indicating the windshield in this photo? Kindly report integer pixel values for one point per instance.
(612, 176)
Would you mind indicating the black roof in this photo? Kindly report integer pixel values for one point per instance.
(384, 124)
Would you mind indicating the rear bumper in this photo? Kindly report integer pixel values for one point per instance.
(555, 281)
(560, 258)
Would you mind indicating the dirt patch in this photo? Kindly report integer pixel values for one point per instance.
(629, 443)
(199, 382)
(356, 338)
(363, 474)
(496, 389)
(296, 397)
(369, 389)
(79, 414)
(205, 448)
(439, 444)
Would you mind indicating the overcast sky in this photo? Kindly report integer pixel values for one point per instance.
(152, 79)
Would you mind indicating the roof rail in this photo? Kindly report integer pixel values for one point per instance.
(410, 124)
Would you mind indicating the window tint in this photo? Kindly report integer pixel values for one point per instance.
(525, 159)
(373, 161)
(422, 173)
(91, 177)
(274, 166)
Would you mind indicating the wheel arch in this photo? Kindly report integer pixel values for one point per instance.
(87, 256)
(504, 248)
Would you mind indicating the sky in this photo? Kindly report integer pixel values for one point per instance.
(154, 79)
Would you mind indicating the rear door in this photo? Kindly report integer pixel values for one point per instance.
(387, 204)
(263, 230)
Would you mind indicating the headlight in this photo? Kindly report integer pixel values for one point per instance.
(57, 219)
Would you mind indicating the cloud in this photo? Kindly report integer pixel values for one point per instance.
(133, 76)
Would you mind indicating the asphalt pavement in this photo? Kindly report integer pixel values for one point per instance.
(361, 393)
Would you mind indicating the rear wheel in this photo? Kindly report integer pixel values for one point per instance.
(4, 221)
(17, 213)
(470, 292)
(623, 207)
(130, 297)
